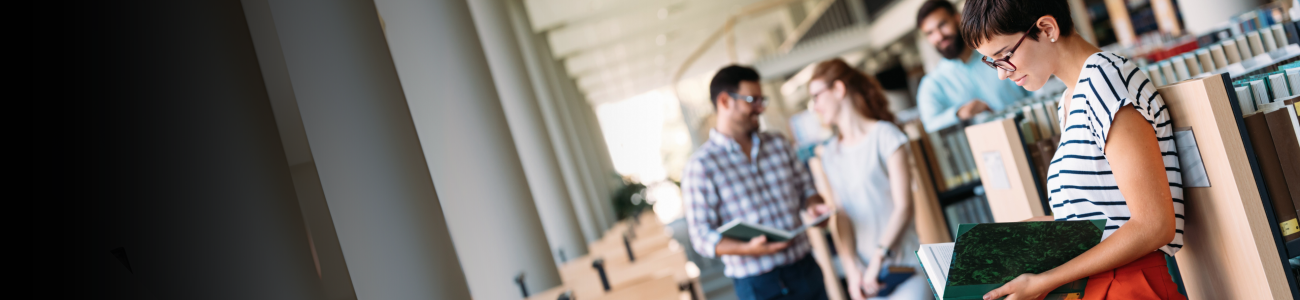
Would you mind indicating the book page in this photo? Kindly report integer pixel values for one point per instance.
(936, 259)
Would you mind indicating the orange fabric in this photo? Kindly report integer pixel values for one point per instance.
(1145, 278)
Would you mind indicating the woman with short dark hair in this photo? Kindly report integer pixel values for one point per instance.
(1116, 160)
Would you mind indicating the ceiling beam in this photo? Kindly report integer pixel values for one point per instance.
(573, 38)
(895, 22)
(550, 14)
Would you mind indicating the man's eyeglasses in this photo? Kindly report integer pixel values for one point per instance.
(752, 100)
(1004, 63)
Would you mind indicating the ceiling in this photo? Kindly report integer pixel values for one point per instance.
(615, 49)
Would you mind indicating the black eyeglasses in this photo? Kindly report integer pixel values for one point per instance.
(753, 100)
(1005, 62)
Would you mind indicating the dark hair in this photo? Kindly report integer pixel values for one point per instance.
(864, 91)
(932, 5)
(983, 19)
(728, 80)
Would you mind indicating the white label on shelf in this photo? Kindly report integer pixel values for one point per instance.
(1236, 69)
(1189, 159)
(1293, 49)
(996, 179)
(1261, 60)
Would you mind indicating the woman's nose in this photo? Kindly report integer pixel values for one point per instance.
(1003, 74)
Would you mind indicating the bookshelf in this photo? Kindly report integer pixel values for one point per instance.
(1232, 248)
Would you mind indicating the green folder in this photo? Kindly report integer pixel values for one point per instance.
(986, 256)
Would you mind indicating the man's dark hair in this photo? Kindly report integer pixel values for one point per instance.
(728, 80)
(931, 6)
(983, 19)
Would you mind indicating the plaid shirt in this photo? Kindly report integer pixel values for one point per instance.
(770, 187)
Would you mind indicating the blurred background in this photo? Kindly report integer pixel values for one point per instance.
(455, 149)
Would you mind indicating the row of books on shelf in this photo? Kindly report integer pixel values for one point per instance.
(974, 209)
(951, 161)
(1235, 54)
(1268, 108)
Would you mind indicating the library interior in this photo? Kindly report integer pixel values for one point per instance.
(670, 149)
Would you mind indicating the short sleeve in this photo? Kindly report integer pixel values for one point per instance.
(1107, 84)
(891, 138)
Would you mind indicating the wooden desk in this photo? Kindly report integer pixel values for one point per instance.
(551, 294)
(617, 252)
(584, 280)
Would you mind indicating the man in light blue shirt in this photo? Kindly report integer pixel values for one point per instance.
(961, 85)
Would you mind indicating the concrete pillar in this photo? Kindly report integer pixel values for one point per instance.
(581, 116)
(468, 146)
(332, 57)
(565, 92)
(605, 164)
(1201, 16)
(166, 177)
(538, 58)
(331, 267)
(524, 116)
(330, 264)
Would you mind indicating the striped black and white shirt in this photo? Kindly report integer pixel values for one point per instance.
(1080, 183)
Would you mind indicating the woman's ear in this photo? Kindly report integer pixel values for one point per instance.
(839, 89)
(1048, 29)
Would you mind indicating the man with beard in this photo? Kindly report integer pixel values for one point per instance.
(960, 86)
(743, 174)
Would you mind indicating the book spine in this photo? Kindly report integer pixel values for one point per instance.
(1180, 68)
(968, 154)
(1157, 78)
(1216, 53)
(1193, 65)
(1260, 92)
(1288, 148)
(1244, 100)
(944, 160)
(1207, 64)
(1168, 69)
(1292, 36)
(1231, 51)
(1277, 83)
(1266, 37)
(1295, 117)
(1256, 44)
(1279, 35)
(932, 157)
(1266, 154)
(1293, 78)
(1243, 46)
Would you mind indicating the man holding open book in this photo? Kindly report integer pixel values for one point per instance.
(755, 177)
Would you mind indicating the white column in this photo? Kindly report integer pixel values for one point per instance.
(468, 146)
(331, 57)
(537, 57)
(524, 116)
(579, 113)
(565, 94)
(1201, 16)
